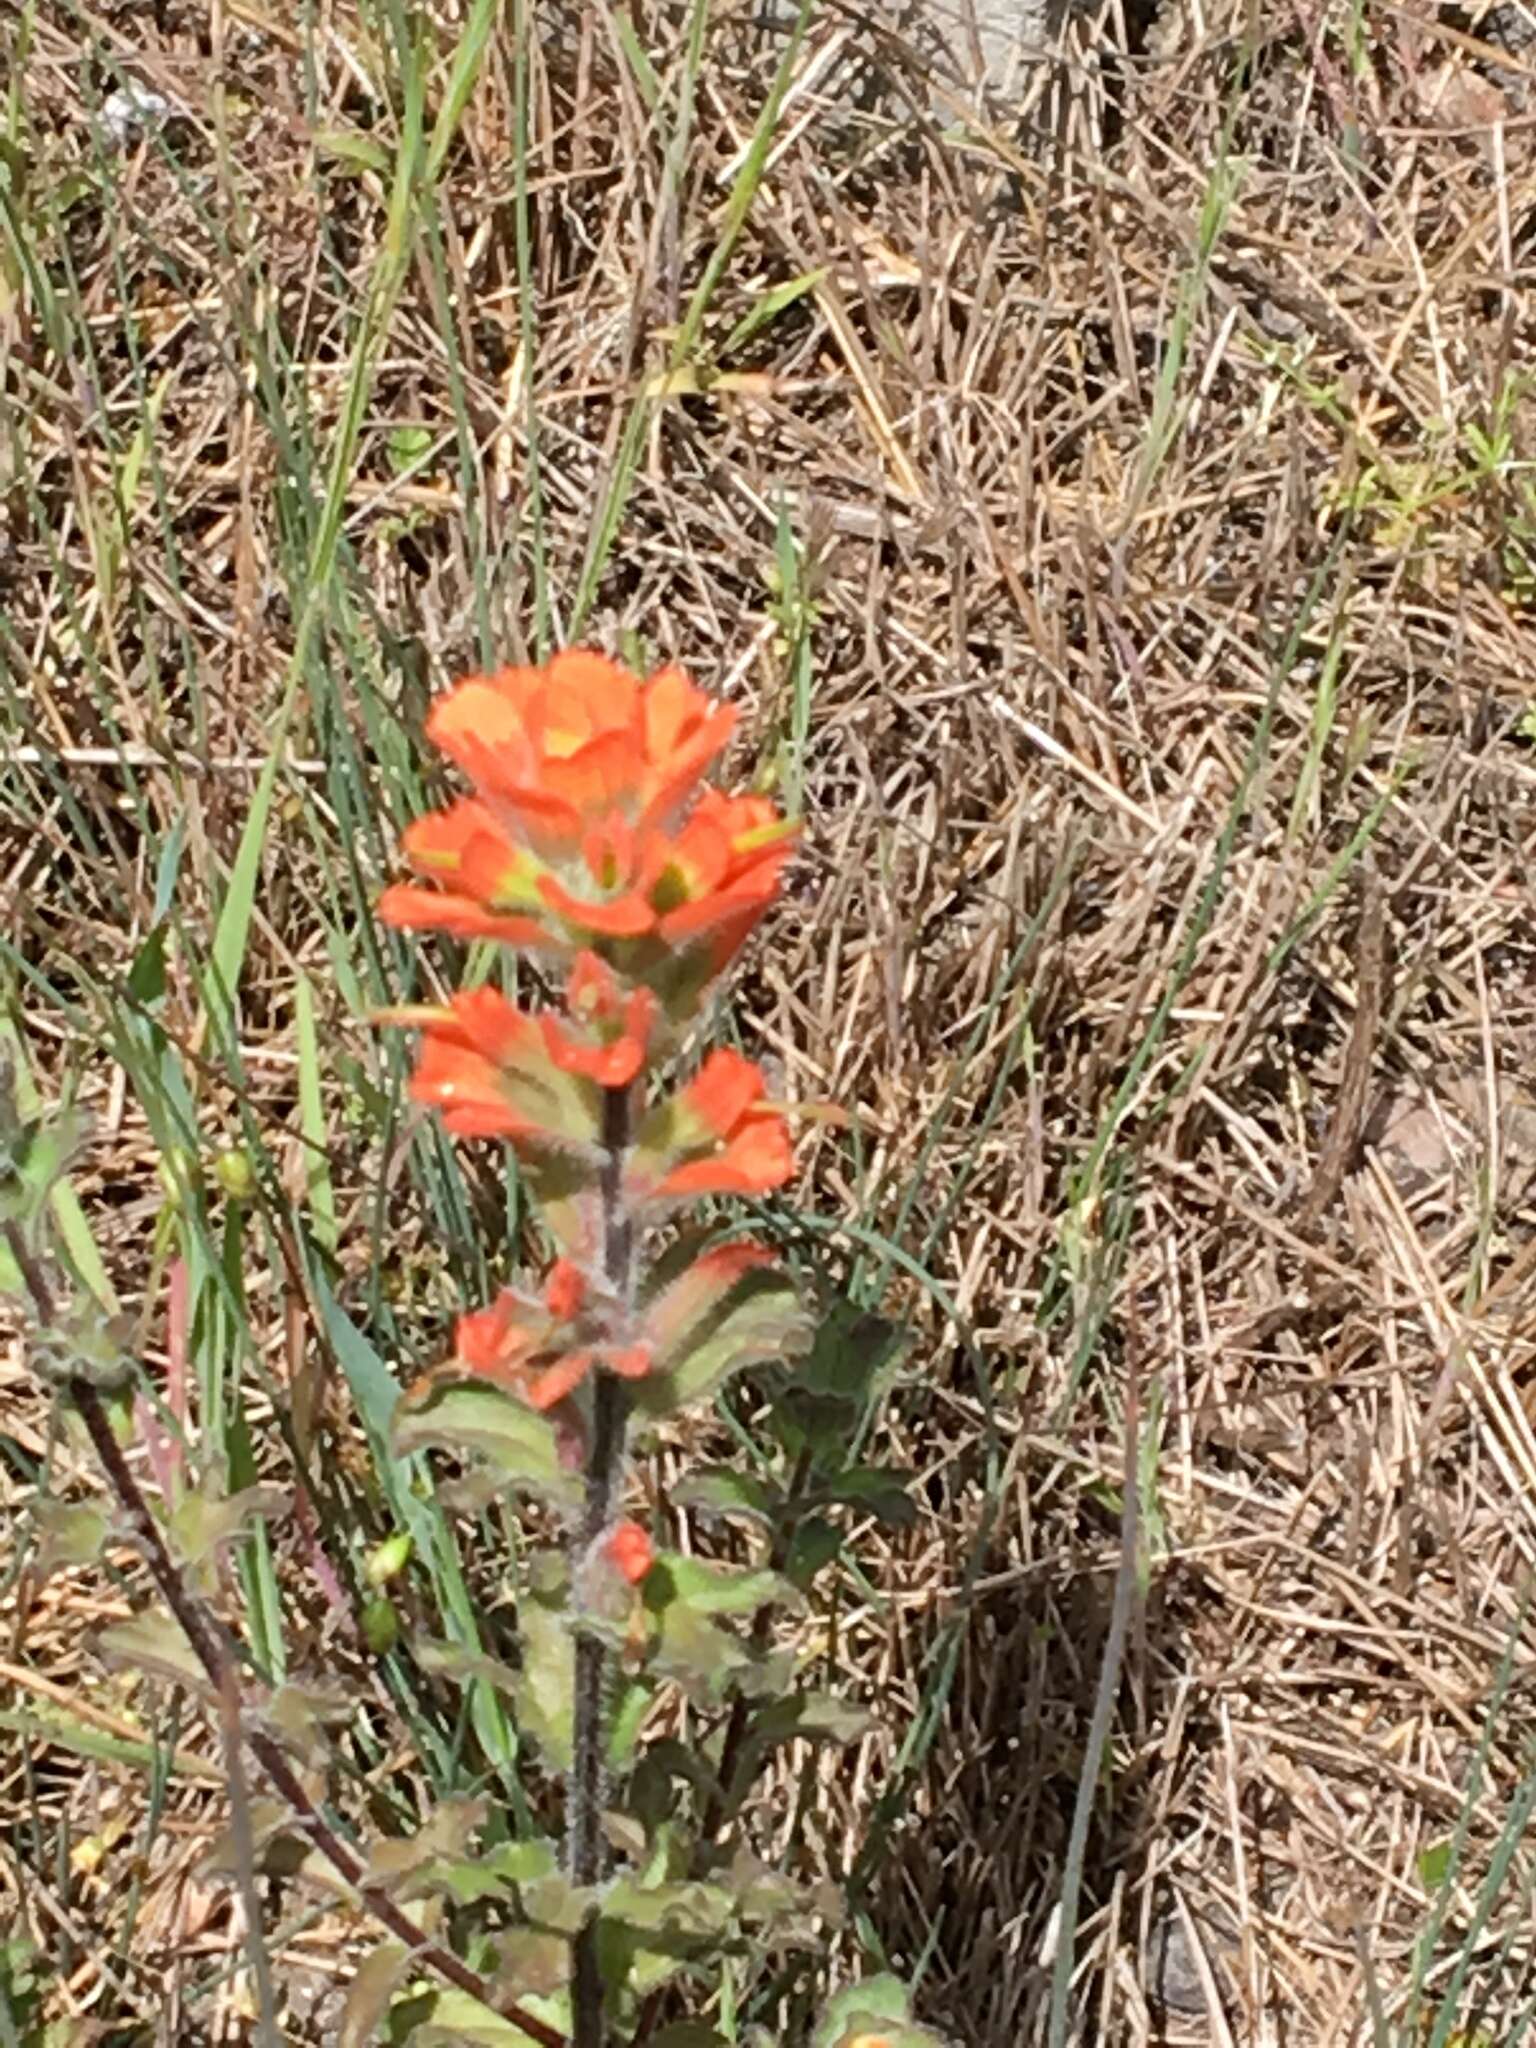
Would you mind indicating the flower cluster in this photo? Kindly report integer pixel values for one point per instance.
(588, 831)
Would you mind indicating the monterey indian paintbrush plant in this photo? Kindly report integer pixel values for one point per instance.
(647, 1679)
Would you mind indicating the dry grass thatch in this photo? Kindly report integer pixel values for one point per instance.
(1139, 475)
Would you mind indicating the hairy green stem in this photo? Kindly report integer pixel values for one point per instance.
(586, 1787)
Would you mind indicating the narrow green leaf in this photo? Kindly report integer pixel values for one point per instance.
(319, 1195)
(770, 306)
(56, 1726)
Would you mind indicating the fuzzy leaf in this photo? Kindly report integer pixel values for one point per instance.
(874, 2014)
(280, 1849)
(631, 1705)
(687, 1912)
(815, 1544)
(717, 1490)
(727, 1311)
(462, 1416)
(808, 1717)
(393, 1865)
(72, 1533)
(201, 1528)
(556, 1906)
(300, 1716)
(153, 1644)
(531, 1963)
(850, 1351)
(369, 1994)
(876, 1491)
(546, 1688)
(453, 1660)
(714, 1588)
(681, 1596)
(490, 1876)
(449, 2018)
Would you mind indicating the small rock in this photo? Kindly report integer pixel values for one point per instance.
(131, 109)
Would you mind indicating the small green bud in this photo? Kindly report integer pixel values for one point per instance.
(381, 1626)
(235, 1174)
(389, 1560)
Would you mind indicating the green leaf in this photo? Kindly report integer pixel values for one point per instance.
(353, 151)
(770, 305)
(408, 446)
(465, 1416)
(53, 1724)
(301, 1716)
(546, 1687)
(531, 1962)
(492, 1875)
(146, 977)
(816, 1544)
(72, 1534)
(1435, 1864)
(688, 2034)
(718, 1490)
(852, 1348)
(681, 1595)
(200, 1528)
(880, 1493)
(874, 2014)
(449, 2018)
(689, 1913)
(368, 1995)
(453, 1660)
(703, 1333)
(808, 1717)
(715, 1588)
(630, 1707)
(154, 1644)
(447, 1834)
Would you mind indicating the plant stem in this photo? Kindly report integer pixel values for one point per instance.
(586, 1787)
(219, 1654)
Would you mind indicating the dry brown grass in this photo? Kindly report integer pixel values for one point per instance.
(1247, 1124)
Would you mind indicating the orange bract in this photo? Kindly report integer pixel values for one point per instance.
(717, 1137)
(629, 1548)
(542, 1349)
(488, 1067)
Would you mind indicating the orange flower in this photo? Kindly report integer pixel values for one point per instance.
(549, 749)
(629, 1549)
(587, 828)
(541, 1350)
(717, 1137)
(484, 887)
(488, 1067)
(615, 1027)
